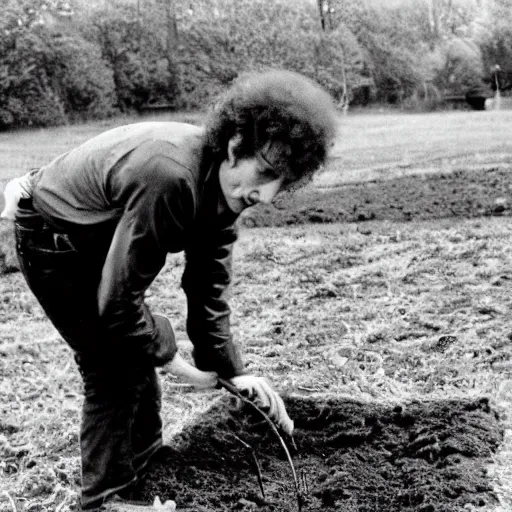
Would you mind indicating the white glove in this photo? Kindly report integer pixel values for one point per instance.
(15, 190)
(259, 389)
(190, 374)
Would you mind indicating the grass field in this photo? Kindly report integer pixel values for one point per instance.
(397, 316)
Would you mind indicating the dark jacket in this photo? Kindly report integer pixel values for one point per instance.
(155, 187)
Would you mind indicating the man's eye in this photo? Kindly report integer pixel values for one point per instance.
(269, 173)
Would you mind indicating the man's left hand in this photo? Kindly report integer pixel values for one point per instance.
(190, 374)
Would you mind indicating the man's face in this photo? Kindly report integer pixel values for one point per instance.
(248, 181)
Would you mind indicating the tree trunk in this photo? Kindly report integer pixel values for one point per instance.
(321, 11)
(172, 51)
(329, 14)
(344, 101)
(433, 13)
(139, 22)
(497, 100)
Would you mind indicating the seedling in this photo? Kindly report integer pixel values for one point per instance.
(234, 391)
(256, 463)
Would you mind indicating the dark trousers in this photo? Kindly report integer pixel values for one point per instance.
(121, 425)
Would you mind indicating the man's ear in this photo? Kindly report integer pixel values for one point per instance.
(233, 145)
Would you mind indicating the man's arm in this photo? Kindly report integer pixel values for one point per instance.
(157, 206)
(206, 280)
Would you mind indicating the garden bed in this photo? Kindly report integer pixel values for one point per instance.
(352, 456)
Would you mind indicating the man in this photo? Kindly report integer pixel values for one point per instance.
(93, 229)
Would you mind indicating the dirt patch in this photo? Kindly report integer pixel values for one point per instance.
(422, 456)
(460, 193)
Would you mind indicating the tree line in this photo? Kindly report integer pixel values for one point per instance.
(62, 61)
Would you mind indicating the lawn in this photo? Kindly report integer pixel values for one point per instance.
(387, 331)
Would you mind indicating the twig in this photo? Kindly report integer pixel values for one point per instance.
(234, 391)
(13, 505)
(273, 259)
(258, 471)
(312, 390)
(256, 462)
(304, 479)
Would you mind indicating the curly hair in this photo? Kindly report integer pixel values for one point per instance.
(279, 107)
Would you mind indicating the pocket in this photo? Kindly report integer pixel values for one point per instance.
(43, 240)
(44, 262)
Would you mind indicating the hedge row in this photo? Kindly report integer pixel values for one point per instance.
(114, 58)
(109, 56)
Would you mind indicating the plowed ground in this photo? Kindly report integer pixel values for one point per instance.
(380, 310)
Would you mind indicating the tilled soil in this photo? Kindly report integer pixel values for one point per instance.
(461, 193)
(468, 194)
(424, 456)
(352, 456)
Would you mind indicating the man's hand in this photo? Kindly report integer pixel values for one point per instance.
(258, 389)
(16, 189)
(190, 374)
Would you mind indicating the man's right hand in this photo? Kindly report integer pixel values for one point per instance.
(190, 374)
(259, 389)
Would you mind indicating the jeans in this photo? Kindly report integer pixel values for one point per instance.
(121, 426)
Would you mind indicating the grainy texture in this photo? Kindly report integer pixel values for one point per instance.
(363, 316)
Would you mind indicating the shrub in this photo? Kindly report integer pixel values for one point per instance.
(462, 67)
(25, 94)
(337, 54)
(220, 39)
(81, 78)
(48, 78)
(136, 52)
(426, 98)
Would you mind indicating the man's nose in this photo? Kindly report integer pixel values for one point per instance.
(265, 193)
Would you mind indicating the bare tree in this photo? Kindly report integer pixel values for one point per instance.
(139, 22)
(173, 48)
(325, 9)
(321, 12)
(433, 13)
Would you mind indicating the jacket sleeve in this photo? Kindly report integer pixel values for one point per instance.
(157, 205)
(206, 281)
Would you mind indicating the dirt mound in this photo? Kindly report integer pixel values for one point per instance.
(423, 456)
(425, 196)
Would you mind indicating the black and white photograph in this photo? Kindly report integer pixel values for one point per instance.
(255, 255)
